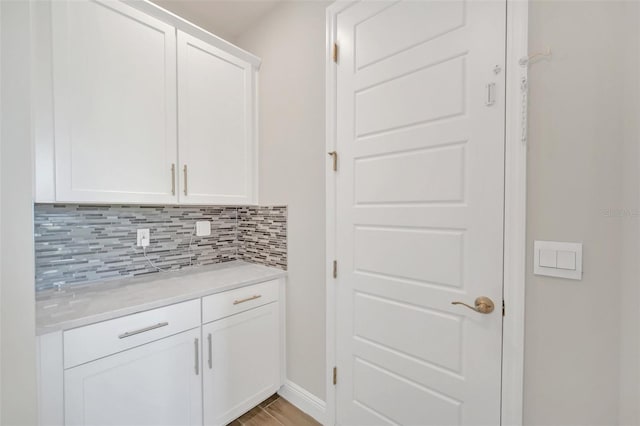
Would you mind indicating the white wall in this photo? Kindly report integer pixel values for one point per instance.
(582, 350)
(583, 161)
(291, 42)
(629, 413)
(17, 301)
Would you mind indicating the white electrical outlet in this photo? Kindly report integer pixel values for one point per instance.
(143, 237)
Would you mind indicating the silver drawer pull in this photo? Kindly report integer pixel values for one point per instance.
(143, 330)
(254, 297)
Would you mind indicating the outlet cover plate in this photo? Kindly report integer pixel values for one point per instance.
(203, 228)
(143, 237)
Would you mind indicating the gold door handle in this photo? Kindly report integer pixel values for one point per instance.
(483, 305)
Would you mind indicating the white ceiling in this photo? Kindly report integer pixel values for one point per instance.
(224, 18)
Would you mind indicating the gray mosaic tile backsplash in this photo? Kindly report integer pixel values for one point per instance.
(82, 243)
(262, 234)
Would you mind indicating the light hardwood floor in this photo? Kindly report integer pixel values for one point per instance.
(275, 411)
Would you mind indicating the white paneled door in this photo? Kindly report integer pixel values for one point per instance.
(420, 135)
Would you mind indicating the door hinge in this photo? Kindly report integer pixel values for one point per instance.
(503, 310)
(334, 154)
(334, 53)
(335, 269)
(335, 375)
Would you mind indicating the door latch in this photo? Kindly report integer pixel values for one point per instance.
(491, 94)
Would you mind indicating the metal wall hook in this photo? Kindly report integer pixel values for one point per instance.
(525, 61)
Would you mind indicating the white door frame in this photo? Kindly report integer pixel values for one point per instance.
(514, 212)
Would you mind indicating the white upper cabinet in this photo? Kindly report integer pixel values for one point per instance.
(114, 85)
(215, 124)
(132, 107)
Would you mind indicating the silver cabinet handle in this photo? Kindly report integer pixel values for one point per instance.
(185, 179)
(142, 330)
(210, 350)
(248, 299)
(173, 179)
(197, 347)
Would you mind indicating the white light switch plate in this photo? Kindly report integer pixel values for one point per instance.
(557, 259)
(203, 228)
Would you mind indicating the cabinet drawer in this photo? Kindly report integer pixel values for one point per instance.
(231, 302)
(104, 338)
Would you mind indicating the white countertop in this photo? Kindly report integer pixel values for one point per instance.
(85, 304)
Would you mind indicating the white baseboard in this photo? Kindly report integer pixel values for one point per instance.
(304, 400)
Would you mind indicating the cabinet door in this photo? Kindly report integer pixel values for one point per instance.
(241, 363)
(114, 77)
(154, 384)
(215, 125)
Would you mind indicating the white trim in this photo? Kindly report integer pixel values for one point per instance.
(1, 144)
(256, 137)
(515, 214)
(330, 222)
(304, 400)
(50, 373)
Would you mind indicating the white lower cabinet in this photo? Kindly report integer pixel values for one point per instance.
(164, 366)
(241, 359)
(158, 383)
